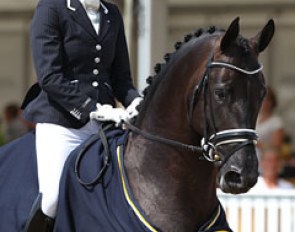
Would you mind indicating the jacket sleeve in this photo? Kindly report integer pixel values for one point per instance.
(121, 76)
(47, 51)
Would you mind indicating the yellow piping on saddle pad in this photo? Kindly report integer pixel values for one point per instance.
(214, 220)
(127, 196)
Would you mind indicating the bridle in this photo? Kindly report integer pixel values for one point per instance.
(209, 143)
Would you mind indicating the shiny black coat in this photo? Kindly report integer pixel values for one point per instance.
(75, 67)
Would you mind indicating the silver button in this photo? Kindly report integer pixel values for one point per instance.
(98, 47)
(95, 84)
(97, 60)
(95, 71)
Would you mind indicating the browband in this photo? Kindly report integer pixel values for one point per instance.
(231, 66)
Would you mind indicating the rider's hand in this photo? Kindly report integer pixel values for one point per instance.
(108, 113)
(131, 109)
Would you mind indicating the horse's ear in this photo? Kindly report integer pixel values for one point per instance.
(262, 39)
(231, 34)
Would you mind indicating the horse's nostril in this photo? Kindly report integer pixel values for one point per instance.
(233, 177)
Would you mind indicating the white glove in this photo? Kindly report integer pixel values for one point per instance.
(108, 113)
(131, 109)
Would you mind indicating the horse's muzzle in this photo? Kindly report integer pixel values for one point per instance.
(236, 181)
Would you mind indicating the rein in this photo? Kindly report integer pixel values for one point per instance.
(166, 141)
(209, 144)
(107, 158)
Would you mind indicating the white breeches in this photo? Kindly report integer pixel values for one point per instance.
(54, 143)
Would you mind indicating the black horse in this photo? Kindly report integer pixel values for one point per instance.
(196, 125)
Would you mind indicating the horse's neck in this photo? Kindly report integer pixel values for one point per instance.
(174, 188)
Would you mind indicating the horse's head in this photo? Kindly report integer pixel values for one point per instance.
(212, 87)
(228, 96)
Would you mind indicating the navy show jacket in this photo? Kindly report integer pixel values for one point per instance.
(75, 67)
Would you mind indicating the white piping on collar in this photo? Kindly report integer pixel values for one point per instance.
(69, 6)
(105, 9)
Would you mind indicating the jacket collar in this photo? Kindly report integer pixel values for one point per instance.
(72, 8)
(80, 16)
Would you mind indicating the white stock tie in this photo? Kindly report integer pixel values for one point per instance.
(92, 9)
(92, 5)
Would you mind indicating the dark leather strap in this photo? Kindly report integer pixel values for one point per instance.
(107, 159)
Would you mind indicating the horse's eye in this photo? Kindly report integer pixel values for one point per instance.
(220, 95)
